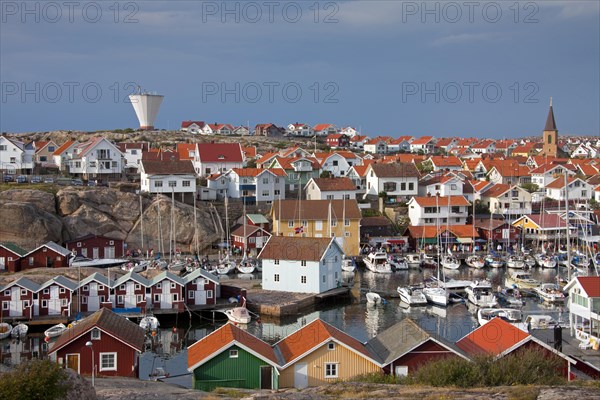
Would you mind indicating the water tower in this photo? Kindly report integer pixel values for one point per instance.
(146, 106)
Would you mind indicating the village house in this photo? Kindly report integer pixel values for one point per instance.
(358, 175)
(542, 227)
(43, 153)
(318, 219)
(584, 310)
(497, 231)
(210, 158)
(447, 144)
(299, 129)
(424, 144)
(96, 246)
(547, 173)
(97, 159)
(394, 179)
(18, 298)
(167, 292)
(444, 185)
(232, 357)
(129, 292)
(486, 146)
(337, 163)
(438, 210)
(241, 130)
(357, 142)
(201, 288)
(94, 293)
(55, 297)
(330, 189)
(217, 129)
(577, 189)
(301, 264)
(15, 158)
(337, 140)
(509, 200)
(250, 239)
(509, 173)
(325, 129)
(192, 126)
(299, 170)
(375, 146)
(254, 185)
(132, 153)
(453, 237)
(375, 227)
(258, 220)
(444, 163)
(268, 130)
(48, 255)
(114, 342)
(63, 155)
(401, 144)
(10, 256)
(168, 177)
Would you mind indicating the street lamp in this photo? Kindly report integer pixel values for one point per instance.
(89, 344)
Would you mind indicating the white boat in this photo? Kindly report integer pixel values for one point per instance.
(225, 266)
(413, 260)
(348, 264)
(546, 261)
(239, 315)
(540, 322)
(484, 315)
(529, 261)
(480, 293)
(149, 323)
(55, 330)
(450, 262)
(428, 262)
(494, 261)
(19, 330)
(97, 263)
(510, 297)
(515, 262)
(246, 266)
(378, 262)
(475, 261)
(373, 298)
(5, 330)
(412, 295)
(453, 285)
(522, 280)
(158, 374)
(135, 266)
(550, 292)
(398, 263)
(436, 295)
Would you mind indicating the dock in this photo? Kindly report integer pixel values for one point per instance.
(280, 304)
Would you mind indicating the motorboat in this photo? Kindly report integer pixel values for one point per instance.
(374, 298)
(238, 315)
(453, 285)
(480, 293)
(149, 323)
(550, 292)
(484, 315)
(540, 322)
(5, 330)
(475, 261)
(450, 262)
(348, 264)
(19, 330)
(97, 263)
(510, 297)
(522, 280)
(412, 295)
(436, 295)
(377, 261)
(428, 262)
(398, 263)
(55, 330)
(413, 260)
(515, 262)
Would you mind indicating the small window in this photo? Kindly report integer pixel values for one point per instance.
(159, 285)
(303, 279)
(46, 291)
(95, 334)
(84, 299)
(324, 278)
(303, 263)
(175, 296)
(111, 242)
(5, 305)
(44, 303)
(78, 244)
(276, 278)
(157, 298)
(100, 287)
(209, 294)
(108, 361)
(331, 370)
(191, 294)
(120, 299)
(138, 286)
(173, 285)
(139, 298)
(233, 354)
(63, 302)
(290, 224)
(62, 290)
(23, 292)
(276, 262)
(86, 288)
(331, 346)
(7, 292)
(122, 287)
(25, 304)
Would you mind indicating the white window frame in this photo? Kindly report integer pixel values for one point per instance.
(234, 353)
(156, 298)
(113, 366)
(191, 294)
(95, 334)
(331, 370)
(209, 294)
(44, 303)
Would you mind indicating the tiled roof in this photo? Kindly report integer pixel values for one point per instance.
(152, 167)
(482, 144)
(375, 221)
(249, 151)
(493, 338)
(591, 285)
(442, 201)
(254, 172)
(395, 170)
(64, 147)
(334, 184)
(320, 127)
(184, 149)
(559, 183)
(422, 140)
(550, 166)
(496, 190)
(109, 322)
(314, 209)
(489, 225)
(250, 230)
(186, 124)
(220, 152)
(295, 248)
(442, 161)
(314, 335)
(361, 170)
(546, 221)
(511, 169)
(224, 337)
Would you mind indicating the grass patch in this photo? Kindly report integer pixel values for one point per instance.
(523, 393)
(229, 392)
(379, 377)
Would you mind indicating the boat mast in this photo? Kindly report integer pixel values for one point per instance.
(172, 232)
(196, 249)
(142, 220)
(568, 233)
(160, 238)
(437, 223)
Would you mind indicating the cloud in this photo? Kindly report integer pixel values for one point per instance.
(574, 9)
(467, 38)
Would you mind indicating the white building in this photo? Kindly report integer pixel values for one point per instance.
(444, 185)
(546, 173)
(330, 189)
(96, 158)
(299, 129)
(64, 154)
(254, 184)
(167, 177)
(395, 179)
(584, 309)
(375, 146)
(436, 210)
(132, 153)
(507, 200)
(578, 189)
(211, 158)
(14, 157)
(301, 264)
(338, 163)
(349, 131)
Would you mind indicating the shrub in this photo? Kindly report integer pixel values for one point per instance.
(452, 371)
(35, 379)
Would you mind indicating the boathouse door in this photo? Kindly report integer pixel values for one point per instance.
(165, 297)
(266, 380)
(300, 376)
(54, 301)
(93, 299)
(2, 263)
(16, 308)
(73, 362)
(200, 297)
(96, 253)
(130, 295)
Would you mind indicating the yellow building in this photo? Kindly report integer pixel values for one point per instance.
(319, 218)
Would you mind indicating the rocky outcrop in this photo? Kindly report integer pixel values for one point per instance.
(32, 217)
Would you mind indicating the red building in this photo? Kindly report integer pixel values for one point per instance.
(405, 346)
(94, 247)
(497, 231)
(201, 288)
(130, 291)
(256, 238)
(94, 293)
(17, 298)
(116, 344)
(10, 257)
(167, 292)
(337, 140)
(49, 255)
(55, 297)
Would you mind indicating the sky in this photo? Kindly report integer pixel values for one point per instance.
(457, 68)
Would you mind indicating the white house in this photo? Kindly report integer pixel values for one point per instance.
(375, 146)
(444, 185)
(301, 264)
(436, 210)
(358, 142)
(584, 309)
(211, 158)
(358, 175)
(133, 153)
(546, 173)
(349, 131)
(299, 129)
(63, 155)
(96, 158)
(330, 189)
(486, 146)
(507, 200)
(425, 144)
(192, 126)
(400, 144)
(395, 179)
(586, 151)
(217, 129)
(167, 177)
(14, 158)
(255, 185)
(578, 189)
(337, 163)
(325, 129)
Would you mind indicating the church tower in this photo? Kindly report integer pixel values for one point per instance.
(550, 135)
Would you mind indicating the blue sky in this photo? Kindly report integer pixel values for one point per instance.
(389, 68)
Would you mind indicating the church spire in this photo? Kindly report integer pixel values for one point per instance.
(550, 123)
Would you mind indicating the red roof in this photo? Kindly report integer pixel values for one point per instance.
(257, 171)
(65, 146)
(422, 140)
(441, 201)
(320, 127)
(591, 285)
(186, 124)
(559, 183)
(496, 190)
(220, 152)
(250, 151)
(493, 338)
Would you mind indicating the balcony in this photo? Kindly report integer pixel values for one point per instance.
(248, 187)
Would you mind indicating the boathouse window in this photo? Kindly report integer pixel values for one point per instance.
(233, 354)
(101, 299)
(78, 244)
(122, 287)
(139, 298)
(331, 346)
(84, 300)
(44, 303)
(86, 288)
(303, 263)
(276, 278)
(191, 294)
(331, 370)
(173, 285)
(209, 294)
(23, 292)
(138, 286)
(7, 292)
(62, 290)
(175, 297)
(120, 299)
(31, 260)
(95, 334)
(186, 184)
(303, 279)
(100, 287)
(157, 298)
(324, 278)
(159, 285)
(63, 302)
(290, 224)
(108, 361)
(46, 291)
(5, 305)
(276, 262)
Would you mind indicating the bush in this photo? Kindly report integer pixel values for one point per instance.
(380, 377)
(452, 371)
(35, 379)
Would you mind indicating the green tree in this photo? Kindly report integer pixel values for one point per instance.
(530, 187)
(35, 379)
